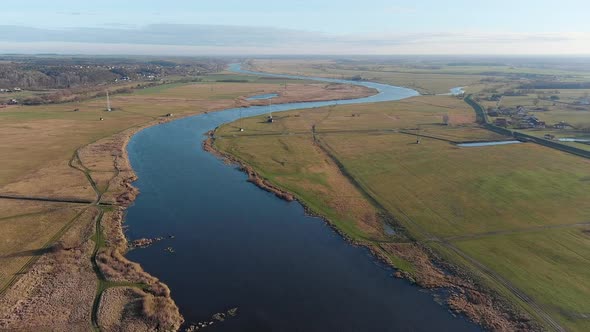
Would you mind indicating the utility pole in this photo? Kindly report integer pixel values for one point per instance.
(108, 102)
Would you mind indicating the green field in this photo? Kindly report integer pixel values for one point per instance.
(498, 205)
(550, 265)
(429, 76)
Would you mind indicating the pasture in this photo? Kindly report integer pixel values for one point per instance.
(499, 205)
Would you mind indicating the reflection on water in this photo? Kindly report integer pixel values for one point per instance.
(238, 246)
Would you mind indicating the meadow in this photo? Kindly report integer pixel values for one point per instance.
(500, 206)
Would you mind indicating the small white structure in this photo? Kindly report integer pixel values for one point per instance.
(108, 102)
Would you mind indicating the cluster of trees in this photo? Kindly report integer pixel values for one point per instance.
(60, 79)
(34, 78)
(64, 73)
(556, 85)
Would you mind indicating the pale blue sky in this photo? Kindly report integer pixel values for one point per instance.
(469, 22)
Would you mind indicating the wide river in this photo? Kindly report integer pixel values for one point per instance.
(238, 246)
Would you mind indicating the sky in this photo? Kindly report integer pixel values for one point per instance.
(194, 27)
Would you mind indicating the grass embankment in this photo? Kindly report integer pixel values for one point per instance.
(511, 214)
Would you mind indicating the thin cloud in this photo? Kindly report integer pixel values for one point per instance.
(77, 13)
(239, 39)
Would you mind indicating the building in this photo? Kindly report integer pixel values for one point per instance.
(501, 122)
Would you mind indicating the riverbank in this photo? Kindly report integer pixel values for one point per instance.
(415, 261)
(157, 304)
(224, 224)
(123, 285)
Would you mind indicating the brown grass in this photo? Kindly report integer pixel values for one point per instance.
(55, 179)
(37, 143)
(57, 291)
(157, 307)
(10, 208)
(24, 237)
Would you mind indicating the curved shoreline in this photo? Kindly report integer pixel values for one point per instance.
(468, 297)
(119, 294)
(130, 192)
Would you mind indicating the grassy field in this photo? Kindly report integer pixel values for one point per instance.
(501, 188)
(427, 76)
(298, 165)
(27, 228)
(427, 82)
(550, 265)
(38, 145)
(499, 205)
(437, 76)
(32, 137)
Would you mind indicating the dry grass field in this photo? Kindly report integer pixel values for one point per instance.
(54, 152)
(27, 230)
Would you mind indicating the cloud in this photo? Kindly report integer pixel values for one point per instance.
(224, 39)
(78, 13)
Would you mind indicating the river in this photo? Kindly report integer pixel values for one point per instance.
(238, 246)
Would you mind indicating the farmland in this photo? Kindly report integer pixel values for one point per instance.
(546, 98)
(486, 209)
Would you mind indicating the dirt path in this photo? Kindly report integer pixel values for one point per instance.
(50, 199)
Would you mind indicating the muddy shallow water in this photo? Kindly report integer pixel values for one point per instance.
(238, 246)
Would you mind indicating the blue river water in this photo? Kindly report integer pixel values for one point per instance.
(479, 144)
(264, 96)
(238, 246)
